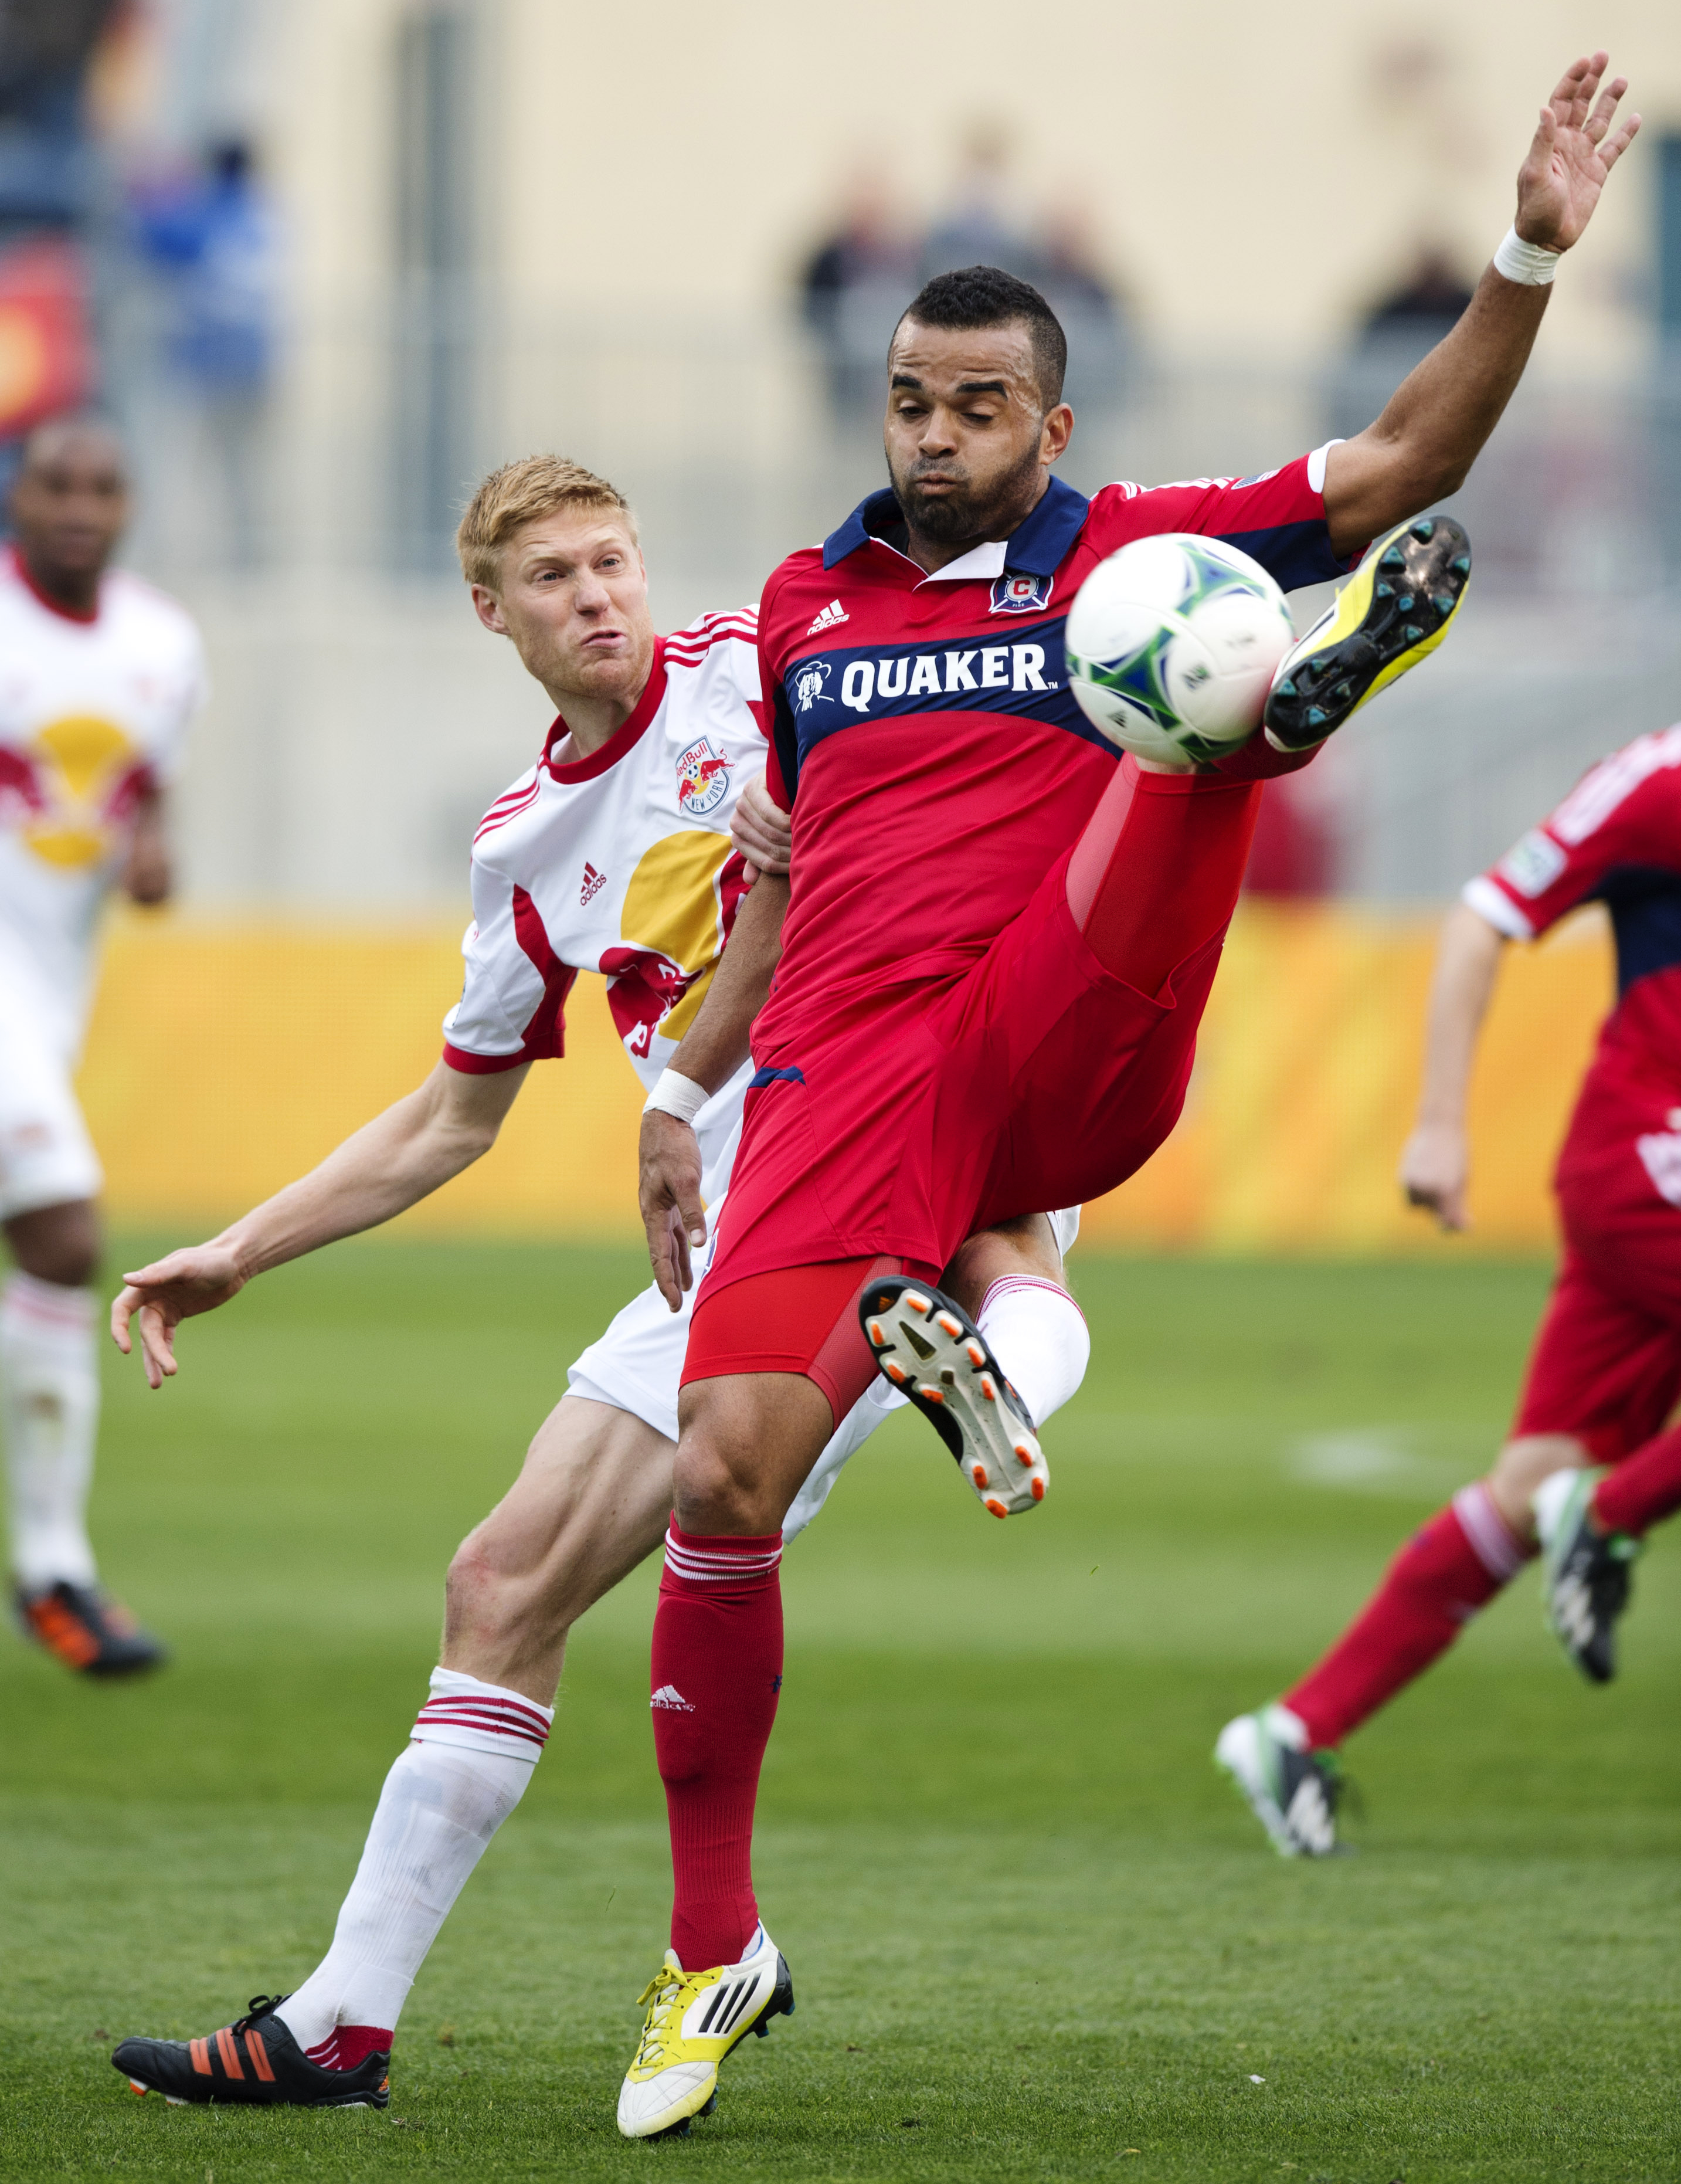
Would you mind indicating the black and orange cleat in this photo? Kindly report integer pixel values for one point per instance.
(254, 2059)
(86, 1629)
(937, 1357)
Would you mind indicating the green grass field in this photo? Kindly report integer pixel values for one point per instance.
(1033, 1933)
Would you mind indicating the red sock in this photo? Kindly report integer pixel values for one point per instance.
(1643, 1487)
(348, 2045)
(717, 1669)
(1156, 875)
(1431, 1589)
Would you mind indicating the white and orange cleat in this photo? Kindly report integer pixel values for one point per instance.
(937, 1357)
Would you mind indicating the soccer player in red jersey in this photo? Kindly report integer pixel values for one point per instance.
(997, 946)
(1606, 1372)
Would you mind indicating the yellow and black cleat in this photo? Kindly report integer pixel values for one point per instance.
(1391, 614)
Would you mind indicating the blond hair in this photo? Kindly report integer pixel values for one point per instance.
(518, 494)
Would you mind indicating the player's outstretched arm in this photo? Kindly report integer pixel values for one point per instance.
(389, 1165)
(1435, 1163)
(1437, 419)
(147, 871)
(715, 1047)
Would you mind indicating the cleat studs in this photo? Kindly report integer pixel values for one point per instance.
(1314, 717)
(948, 1325)
(1404, 603)
(931, 1394)
(174, 2100)
(1037, 1489)
(1424, 530)
(877, 1335)
(987, 1388)
(1411, 634)
(1023, 1453)
(913, 1301)
(1444, 604)
(1384, 592)
(997, 1507)
(979, 1475)
(1461, 565)
(1395, 559)
(135, 2087)
(896, 1373)
(1287, 688)
(977, 1355)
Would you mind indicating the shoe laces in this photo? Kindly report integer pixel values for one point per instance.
(260, 2006)
(665, 1998)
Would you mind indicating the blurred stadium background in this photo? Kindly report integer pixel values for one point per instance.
(329, 263)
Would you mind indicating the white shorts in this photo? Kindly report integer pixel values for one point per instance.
(637, 1366)
(47, 1158)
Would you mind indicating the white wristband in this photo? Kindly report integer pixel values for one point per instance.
(1525, 262)
(677, 1095)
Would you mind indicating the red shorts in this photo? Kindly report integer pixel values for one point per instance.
(1034, 1078)
(1607, 1364)
(802, 1319)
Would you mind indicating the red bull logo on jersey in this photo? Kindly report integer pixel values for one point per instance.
(1018, 594)
(703, 778)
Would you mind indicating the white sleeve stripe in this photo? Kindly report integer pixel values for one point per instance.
(1315, 465)
(1496, 907)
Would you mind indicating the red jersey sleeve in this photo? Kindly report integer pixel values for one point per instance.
(1622, 817)
(776, 722)
(1277, 519)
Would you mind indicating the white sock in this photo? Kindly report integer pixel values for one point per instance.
(1038, 1335)
(49, 1396)
(475, 1747)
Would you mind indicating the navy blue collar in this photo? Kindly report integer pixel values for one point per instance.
(1036, 549)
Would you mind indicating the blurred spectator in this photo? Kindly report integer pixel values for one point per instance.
(215, 235)
(46, 165)
(1426, 302)
(856, 284)
(984, 225)
(860, 277)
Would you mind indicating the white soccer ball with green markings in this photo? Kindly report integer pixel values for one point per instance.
(1172, 645)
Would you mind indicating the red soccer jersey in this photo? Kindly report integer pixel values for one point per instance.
(1616, 840)
(924, 735)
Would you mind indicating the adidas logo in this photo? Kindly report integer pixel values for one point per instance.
(594, 884)
(669, 1697)
(832, 614)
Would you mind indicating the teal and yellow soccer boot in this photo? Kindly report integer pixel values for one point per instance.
(1393, 612)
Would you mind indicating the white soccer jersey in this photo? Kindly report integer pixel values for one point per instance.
(92, 713)
(621, 863)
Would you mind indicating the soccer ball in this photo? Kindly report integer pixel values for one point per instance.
(1172, 645)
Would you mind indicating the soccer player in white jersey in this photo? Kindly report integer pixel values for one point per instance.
(613, 853)
(99, 676)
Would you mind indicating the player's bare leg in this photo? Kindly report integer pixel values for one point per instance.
(49, 1390)
(590, 1503)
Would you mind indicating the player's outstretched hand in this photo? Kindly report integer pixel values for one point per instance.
(1434, 1167)
(167, 1292)
(668, 1190)
(762, 831)
(1575, 147)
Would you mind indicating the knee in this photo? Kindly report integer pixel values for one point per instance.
(1519, 1469)
(59, 1244)
(714, 1491)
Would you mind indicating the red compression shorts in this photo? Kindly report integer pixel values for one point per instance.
(1042, 1073)
(800, 1319)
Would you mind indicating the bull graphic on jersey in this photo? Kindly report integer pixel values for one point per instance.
(808, 685)
(703, 778)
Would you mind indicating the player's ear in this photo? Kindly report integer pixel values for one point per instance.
(1056, 432)
(488, 609)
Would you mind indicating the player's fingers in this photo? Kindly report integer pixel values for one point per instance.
(693, 1215)
(749, 871)
(1599, 120)
(156, 1347)
(1614, 147)
(1564, 91)
(121, 1306)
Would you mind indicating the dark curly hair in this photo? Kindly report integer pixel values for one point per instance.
(988, 295)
